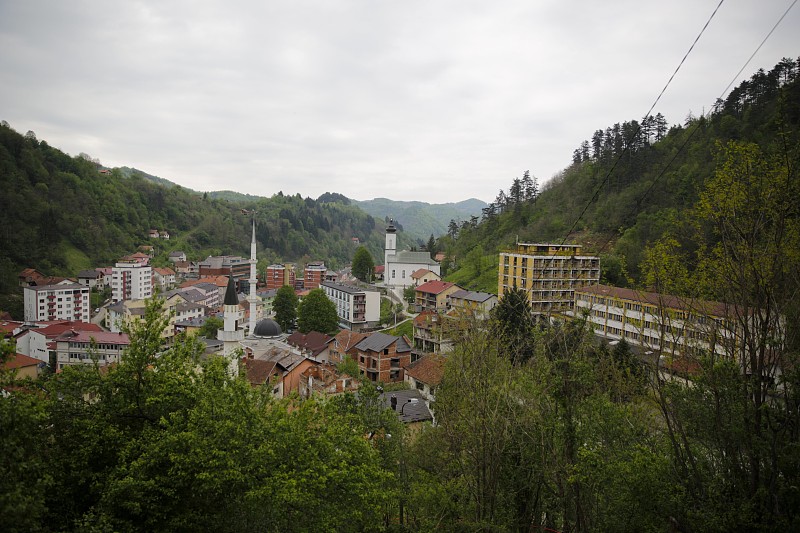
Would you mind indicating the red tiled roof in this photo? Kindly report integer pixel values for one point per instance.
(7, 327)
(54, 330)
(420, 273)
(428, 369)
(380, 268)
(435, 286)
(348, 339)
(259, 371)
(424, 319)
(165, 271)
(314, 341)
(19, 360)
(105, 337)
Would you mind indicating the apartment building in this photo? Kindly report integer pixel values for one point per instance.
(434, 296)
(131, 279)
(280, 275)
(68, 301)
(548, 273)
(357, 308)
(313, 275)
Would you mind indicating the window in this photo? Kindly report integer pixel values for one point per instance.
(404, 274)
(392, 273)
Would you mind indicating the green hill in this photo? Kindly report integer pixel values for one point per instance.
(630, 184)
(60, 213)
(419, 219)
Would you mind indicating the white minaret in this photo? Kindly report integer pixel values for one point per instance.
(252, 298)
(391, 247)
(231, 333)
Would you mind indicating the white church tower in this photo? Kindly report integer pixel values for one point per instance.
(391, 245)
(232, 332)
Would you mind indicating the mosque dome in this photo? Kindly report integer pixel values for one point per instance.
(266, 327)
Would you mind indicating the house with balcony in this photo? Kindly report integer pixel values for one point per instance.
(80, 347)
(472, 303)
(432, 332)
(68, 301)
(433, 296)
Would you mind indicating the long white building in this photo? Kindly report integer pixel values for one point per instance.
(68, 301)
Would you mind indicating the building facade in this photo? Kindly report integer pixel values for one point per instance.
(399, 266)
(382, 357)
(68, 301)
(357, 308)
(131, 280)
(313, 275)
(78, 347)
(548, 273)
(434, 296)
(280, 275)
(663, 323)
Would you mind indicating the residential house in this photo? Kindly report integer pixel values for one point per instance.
(227, 265)
(187, 269)
(267, 297)
(473, 303)
(357, 308)
(423, 275)
(344, 344)
(325, 379)
(177, 256)
(163, 278)
(548, 273)
(314, 345)
(30, 277)
(221, 282)
(382, 357)
(433, 296)
(69, 301)
(432, 332)
(280, 365)
(25, 367)
(164, 234)
(425, 374)
(93, 279)
(153, 234)
(77, 347)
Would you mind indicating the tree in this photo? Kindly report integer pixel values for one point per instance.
(317, 312)
(210, 327)
(513, 323)
(285, 306)
(432, 246)
(363, 265)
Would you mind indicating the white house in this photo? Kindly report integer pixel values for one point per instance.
(357, 308)
(399, 266)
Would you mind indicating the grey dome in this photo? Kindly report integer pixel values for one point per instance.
(266, 327)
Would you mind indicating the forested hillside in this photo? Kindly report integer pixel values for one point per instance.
(420, 220)
(630, 184)
(60, 214)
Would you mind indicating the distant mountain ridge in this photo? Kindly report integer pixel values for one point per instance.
(421, 219)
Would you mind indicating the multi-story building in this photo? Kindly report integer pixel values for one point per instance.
(432, 332)
(131, 279)
(227, 265)
(313, 275)
(383, 357)
(93, 279)
(663, 323)
(433, 296)
(548, 273)
(68, 301)
(38, 342)
(280, 275)
(163, 278)
(357, 308)
(75, 347)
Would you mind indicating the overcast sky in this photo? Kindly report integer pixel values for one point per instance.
(427, 100)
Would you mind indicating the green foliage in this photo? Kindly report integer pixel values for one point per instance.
(363, 265)
(210, 327)
(317, 312)
(404, 328)
(285, 307)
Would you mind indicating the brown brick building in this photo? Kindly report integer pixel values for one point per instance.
(383, 357)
